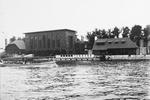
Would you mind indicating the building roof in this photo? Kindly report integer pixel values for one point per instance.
(113, 43)
(2, 52)
(51, 31)
(19, 43)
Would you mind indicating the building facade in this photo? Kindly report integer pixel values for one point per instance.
(114, 46)
(50, 42)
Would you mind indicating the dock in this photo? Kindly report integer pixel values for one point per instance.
(73, 57)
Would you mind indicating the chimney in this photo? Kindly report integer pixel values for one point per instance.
(5, 42)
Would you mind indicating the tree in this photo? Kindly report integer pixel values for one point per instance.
(100, 34)
(116, 32)
(104, 34)
(145, 36)
(19, 38)
(126, 32)
(12, 39)
(91, 39)
(110, 34)
(136, 34)
(97, 33)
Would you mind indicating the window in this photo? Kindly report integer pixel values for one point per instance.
(40, 43)
(53, 43)
(116, 42)
(100, 43)
(48, 43)
(123, 41)
(44, 41)
(58, 43)
(70, 41)
(35, 44)
(31, 43)
(109, 42)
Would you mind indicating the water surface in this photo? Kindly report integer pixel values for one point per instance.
(77, 81)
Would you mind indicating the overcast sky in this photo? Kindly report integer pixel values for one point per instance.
(19, 16)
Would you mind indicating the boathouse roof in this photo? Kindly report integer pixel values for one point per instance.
(113, 43)
(19, 43)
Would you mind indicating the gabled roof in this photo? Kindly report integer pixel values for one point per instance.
(51, 31)
(2, 52)
(19, 43)
(114, 43)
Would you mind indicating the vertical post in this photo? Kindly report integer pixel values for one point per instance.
(5, 42)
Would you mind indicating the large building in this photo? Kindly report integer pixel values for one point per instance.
(50, 42)
(114, 46)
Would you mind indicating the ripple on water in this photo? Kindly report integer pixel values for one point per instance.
(77, 81)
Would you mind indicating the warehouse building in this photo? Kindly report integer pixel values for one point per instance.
(51, 42)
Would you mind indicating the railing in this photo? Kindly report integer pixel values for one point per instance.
(75, 56)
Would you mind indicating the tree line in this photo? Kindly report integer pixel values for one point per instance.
(12, 39)
(135, 34)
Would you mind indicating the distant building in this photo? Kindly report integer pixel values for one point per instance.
(16, 47)
(51, 42)
(114, 46)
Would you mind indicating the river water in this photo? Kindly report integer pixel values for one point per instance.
(109, 80)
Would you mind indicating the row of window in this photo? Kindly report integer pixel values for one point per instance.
(103, 43)
(44, 43)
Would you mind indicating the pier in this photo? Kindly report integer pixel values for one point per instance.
(73, 57)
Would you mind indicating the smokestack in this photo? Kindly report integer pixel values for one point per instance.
(5, 42)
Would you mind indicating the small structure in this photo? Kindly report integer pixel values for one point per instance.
(114, 46)
(16, 47)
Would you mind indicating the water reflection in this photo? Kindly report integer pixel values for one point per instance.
(80, 80)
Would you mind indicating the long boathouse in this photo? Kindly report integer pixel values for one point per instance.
(114, 46)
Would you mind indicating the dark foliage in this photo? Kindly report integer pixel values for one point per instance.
(116, 32)
(126, 32)
(136, 34)
(12, 39)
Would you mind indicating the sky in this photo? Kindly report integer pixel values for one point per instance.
(20, 16)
